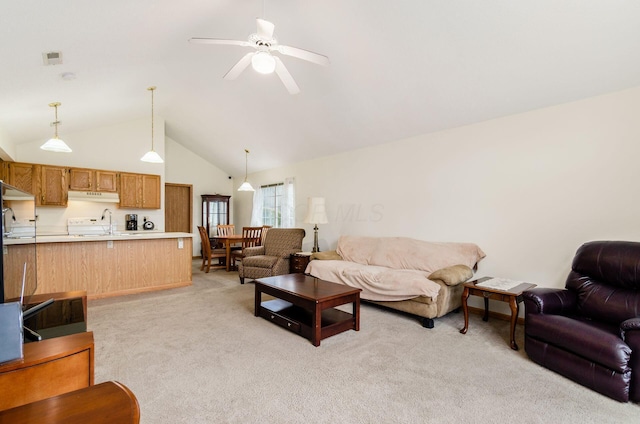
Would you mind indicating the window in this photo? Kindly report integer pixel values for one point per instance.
(272, 204)
(275, 205)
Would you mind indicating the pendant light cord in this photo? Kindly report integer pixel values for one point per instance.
(246, 164)
(152, 89)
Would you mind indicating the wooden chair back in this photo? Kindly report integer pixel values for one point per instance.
(265, 228)
(226, 230)
(208, 253)
(252, 236)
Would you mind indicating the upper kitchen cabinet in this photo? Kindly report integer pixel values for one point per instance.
(22, 176)
(139, 191)
(47, 183)
(82, 179)
(53, 185)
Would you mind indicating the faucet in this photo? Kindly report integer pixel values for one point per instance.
(104, 213)
(4, 216)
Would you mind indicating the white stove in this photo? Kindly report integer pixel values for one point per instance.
(87, 226)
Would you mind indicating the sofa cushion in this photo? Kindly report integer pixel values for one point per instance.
(377, 283)
(596, 342)
(407, 253)
(261, 261)
(356, 248)
(452, 275)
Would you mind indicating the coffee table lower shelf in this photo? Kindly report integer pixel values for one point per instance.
(298, 320)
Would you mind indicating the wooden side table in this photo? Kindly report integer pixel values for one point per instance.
(108, 403)
(298, 262)
(512, 296)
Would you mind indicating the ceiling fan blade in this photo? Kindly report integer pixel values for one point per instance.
(265, 29)
(303, 54)
(286, 77)
(238, 67)
(197, 40)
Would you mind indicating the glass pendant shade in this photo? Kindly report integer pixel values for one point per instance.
(55, 144)
(263, 62)
(151, 156)
(245, 185)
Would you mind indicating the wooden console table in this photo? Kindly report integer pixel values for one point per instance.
(106, 403)
(49, 367)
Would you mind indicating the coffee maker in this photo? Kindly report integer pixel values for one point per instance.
(132, 221)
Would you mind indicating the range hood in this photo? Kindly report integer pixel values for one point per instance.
(94, 196)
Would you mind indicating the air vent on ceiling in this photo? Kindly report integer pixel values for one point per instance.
(52, 58)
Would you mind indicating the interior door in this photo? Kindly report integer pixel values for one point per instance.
(178, 207)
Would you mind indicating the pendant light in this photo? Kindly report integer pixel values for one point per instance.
(151, 156)
(55, 144)
(245, 185)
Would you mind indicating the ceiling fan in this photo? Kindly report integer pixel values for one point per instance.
(262, 59)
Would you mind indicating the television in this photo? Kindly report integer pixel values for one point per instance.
(18, 270)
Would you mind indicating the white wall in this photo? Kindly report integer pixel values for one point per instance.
(529, 189)
(185, 167)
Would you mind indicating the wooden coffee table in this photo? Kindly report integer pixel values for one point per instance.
(305, 305)
(512, 296)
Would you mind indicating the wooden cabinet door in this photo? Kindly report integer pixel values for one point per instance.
(130, 190)
(106, 181)
(53, 185)
(81, 179)
(22, 176)
(150, 191)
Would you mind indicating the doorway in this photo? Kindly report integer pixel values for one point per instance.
(178, 207)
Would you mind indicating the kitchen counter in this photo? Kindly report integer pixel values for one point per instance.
(109, 265)
(65, 238)
(139, 235)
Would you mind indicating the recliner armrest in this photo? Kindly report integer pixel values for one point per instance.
(630, 333)
(253, 251)
(549, 301)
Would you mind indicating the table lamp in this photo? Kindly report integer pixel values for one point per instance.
(316, 214)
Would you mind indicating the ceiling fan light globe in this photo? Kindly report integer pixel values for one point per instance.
(56, 145)
(263, 63)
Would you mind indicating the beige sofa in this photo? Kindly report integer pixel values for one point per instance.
(414, 276)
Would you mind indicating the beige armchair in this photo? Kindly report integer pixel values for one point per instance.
(272, 258)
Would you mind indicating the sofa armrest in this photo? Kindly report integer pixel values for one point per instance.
(452, 275)
(549, 301)
(253, 251)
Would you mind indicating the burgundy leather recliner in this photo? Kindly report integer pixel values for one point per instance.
(590, 331)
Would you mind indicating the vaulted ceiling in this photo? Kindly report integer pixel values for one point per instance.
(398, 68)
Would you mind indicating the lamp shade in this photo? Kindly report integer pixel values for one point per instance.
(151, 156)
(316, 212)
(56, 145)
(246, 187)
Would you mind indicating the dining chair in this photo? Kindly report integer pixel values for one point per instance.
(251, 237)
(208, 253)
(265, 228)
(226, 230)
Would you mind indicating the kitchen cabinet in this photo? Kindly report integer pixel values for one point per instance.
(22, 176)
(53, 185)
(47, 183)
(139, 191)
(83, 179)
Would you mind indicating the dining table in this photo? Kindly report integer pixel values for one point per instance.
(229, 240)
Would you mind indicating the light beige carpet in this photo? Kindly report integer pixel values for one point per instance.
(198, 355)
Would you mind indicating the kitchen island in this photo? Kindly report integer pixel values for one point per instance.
(111, 265)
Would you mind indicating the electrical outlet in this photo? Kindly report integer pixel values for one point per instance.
(5, 251)
(180, 243)
(109, 244)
